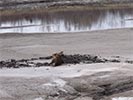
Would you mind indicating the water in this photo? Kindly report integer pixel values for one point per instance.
(67, 21)
(123, 98)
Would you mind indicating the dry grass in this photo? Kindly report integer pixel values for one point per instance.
(10, 12)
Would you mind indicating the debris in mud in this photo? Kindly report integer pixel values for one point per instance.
(77, 58)
(130, 61)
(67, 59)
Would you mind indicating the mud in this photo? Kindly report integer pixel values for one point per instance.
(67, 59)
(99, 89)
(91, 87)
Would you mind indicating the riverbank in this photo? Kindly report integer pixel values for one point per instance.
(24, 57)
(93, 81)
(17, 7)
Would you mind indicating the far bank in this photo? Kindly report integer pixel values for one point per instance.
(11, 7)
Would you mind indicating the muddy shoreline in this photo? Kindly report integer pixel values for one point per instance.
(100, 83)
(67, 59)
(86, 81)
(117, 43)
(95, 79)
(89, 81)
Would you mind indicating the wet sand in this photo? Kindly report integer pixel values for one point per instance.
(100, 81)
(69, 82)
(103, 43)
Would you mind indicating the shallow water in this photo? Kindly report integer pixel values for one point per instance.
(67, 21)
(123, 98)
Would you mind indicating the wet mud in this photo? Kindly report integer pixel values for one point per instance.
(67, 59)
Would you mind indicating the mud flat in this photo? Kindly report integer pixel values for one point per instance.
(69, 82)
(93, 81)
(105, 43)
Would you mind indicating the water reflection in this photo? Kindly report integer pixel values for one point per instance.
(123, 98)
(67, 21)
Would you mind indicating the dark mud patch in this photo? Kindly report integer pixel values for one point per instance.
(42, 61)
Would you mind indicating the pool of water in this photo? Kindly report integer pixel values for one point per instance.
(123, 98)
(67, 21)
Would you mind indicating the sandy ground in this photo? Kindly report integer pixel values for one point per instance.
(116, 42)
(68, 82)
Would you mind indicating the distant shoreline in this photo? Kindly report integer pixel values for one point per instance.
(18, 8)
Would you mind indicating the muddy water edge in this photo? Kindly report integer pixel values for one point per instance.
(63, 16)
(69, 20)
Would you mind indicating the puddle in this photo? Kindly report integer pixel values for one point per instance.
(67, 21)
(123, 98)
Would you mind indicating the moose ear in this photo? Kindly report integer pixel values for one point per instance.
(54, 54)
(61, 53)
